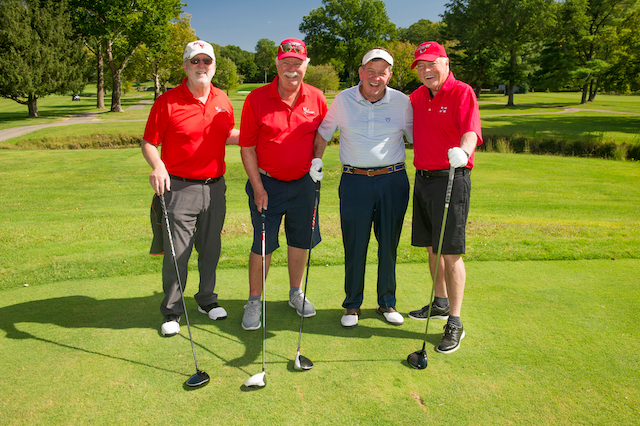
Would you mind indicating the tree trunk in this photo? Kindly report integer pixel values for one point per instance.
(116, 91)
(156, 82)
(585, 93)
(593, 90)
(512, 84)
(478, 91)
(100, 84)
(33, 106)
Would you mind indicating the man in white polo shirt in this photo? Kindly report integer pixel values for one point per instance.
(374, 188)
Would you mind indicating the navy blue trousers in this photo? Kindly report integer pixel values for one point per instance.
(365, 200)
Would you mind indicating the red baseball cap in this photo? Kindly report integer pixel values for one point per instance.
(292, 48)
(428, 51)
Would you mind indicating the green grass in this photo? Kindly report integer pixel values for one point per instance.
(550, 306)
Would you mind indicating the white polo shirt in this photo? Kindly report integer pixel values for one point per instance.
(370, 133)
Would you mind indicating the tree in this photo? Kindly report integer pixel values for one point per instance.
(119, 27)
(421, 31)
(345, 30)
(588, 30)
(627, 64)
(473, 51)
(245, 61)
(266, 51)
(403, 77)
(162, 60)
(226, 77)
(323, 77)
(39, 53)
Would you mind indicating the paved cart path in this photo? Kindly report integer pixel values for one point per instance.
(80, 118)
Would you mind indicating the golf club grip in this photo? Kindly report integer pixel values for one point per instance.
(447, 197)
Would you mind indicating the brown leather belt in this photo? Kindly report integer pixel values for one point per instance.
(375, 171)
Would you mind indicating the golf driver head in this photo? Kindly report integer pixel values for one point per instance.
(302, 362)
(199, 379)
(418, 359)
(255, 381)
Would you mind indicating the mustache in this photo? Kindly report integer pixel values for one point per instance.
(293, 74)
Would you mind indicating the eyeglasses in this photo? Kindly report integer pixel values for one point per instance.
(206, 61)
(288, 47)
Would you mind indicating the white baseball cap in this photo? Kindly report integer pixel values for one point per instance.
(197, 47)
(377, 54)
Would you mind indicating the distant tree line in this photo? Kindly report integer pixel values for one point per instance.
(578, 45)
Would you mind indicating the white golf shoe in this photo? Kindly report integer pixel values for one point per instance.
(171, 325)
(350, 318)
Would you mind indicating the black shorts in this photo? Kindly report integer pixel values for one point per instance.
(428, 209)
(292, 199)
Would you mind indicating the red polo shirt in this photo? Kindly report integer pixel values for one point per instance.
(283, 136)
(439, 123)
(192, 134)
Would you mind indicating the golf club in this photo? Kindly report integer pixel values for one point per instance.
(302, 362)
(200, 377)
(257, 380)
(418, 359)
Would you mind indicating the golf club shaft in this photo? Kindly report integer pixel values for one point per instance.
(264, 278)
(447, 199)
(175, 263)
(306, 279)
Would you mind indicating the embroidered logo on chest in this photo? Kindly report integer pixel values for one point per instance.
(307, 111)
(443, 110)
(218, 109)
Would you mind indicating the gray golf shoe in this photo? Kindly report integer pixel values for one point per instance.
(296, 300)
(251, 316)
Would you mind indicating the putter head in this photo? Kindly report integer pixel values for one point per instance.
(255, 381)
(418, 359)
(302, 363)
(199, 379)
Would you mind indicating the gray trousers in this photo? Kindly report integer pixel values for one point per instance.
(196, 215)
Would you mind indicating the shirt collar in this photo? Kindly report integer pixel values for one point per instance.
(186, 93)
(273, 89)
(361, 99)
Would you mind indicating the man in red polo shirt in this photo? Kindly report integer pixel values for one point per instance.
(277, 133)
(192, 122)
(446, 131)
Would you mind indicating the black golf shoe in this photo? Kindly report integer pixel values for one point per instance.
(436, 312)
(450, 342)
(214, 311)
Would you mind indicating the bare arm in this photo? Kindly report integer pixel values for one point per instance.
(233, 137)
(159, 177)
(468, 142)
(250, 162)
(319, 145)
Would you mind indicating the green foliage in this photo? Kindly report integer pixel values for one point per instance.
(421, 31)
(404, 78)
(324, 77)
(226, 77)
(346, 29)
(39, 53)
(247, 69)
(266, 51)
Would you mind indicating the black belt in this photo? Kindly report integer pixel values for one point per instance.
(373, 171)
(207, 181)
(441, 173)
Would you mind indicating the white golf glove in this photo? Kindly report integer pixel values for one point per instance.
(315, 171)
(458, 157)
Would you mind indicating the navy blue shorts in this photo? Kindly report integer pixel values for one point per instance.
(292, 199)
(428, 210)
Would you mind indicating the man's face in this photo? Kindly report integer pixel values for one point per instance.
(375, 76)
(433, 74)
(291, 72)
(200, 73)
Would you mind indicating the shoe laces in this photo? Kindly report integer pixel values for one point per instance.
(450, 328)
(252, 309)
(297, 299)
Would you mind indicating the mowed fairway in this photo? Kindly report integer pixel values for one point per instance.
(551, 309)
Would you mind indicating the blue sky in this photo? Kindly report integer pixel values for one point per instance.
(243, 22)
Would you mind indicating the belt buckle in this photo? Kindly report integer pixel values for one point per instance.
(370, 172)
(208, 180)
